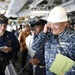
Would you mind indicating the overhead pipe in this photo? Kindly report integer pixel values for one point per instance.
(35, 3)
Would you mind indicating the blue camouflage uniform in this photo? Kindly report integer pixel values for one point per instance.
(51, 47)
(9, 39)
(40, 68)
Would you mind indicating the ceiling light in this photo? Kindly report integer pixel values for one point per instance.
(26, 19)
(32, 16)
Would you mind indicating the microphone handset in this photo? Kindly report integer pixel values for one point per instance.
(61, 49)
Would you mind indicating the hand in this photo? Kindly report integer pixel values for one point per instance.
(7, 49)
(34, 61)
(46, 27)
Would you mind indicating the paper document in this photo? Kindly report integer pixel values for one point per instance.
(61, 64)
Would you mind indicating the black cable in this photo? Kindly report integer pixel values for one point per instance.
(61, 49)
(48, 34)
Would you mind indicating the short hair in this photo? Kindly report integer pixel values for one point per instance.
(3, 19)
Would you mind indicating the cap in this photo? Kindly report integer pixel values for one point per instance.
(57, 14)
(37, 22)
(3, 19)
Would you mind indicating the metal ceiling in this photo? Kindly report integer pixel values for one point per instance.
(24, 7)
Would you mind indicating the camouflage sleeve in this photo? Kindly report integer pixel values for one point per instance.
(38, 46)
(37, 41)
(72, 53)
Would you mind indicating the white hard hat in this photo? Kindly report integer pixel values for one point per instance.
(57, 14)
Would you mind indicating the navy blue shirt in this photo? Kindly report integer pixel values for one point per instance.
(9, 39)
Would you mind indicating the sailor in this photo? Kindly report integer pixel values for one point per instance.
(38, 59)
(9, 44)
(61, 41)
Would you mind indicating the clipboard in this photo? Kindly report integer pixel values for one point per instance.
(61, 65)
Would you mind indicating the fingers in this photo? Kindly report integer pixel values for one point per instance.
(7, 49)
(46, 28)
(34, 61)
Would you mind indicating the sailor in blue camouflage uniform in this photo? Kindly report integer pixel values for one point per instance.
(61, 40)
(39, 59)
(9, 44)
